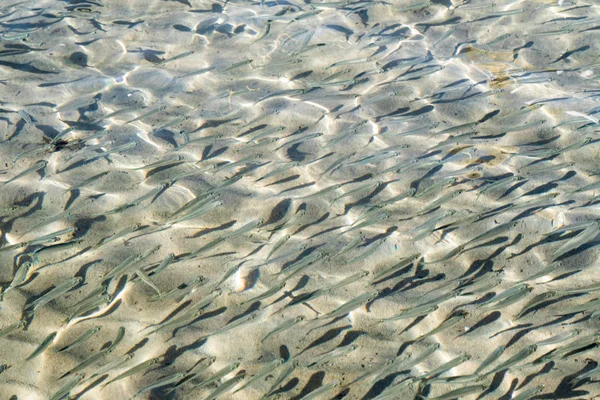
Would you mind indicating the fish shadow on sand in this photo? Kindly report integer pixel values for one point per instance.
(489, 319)
(314, 382)
(382, 384)
(278, 212)
(326, 337)
(289, 386)
(89, 387)
(363, 201)
(174, 352)
(564, 390)
(509, 393)
(578, 250)
(546, 369)
(496, 382)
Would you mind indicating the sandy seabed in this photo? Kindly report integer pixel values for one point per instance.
(299, 200)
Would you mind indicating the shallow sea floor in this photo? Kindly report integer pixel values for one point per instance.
(299, 200)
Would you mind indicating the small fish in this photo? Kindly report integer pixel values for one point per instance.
(537, 300)
(513, 298)
(237, 65)
(402, 364)
(436, 186)
(117, 149)
(587, 188)
(184, 319)
(318, 393)
(85, 363)
(302, 264)
(182, 292)
(250, 226)
(197, 370)
(218, 375)
(164, 264)
(569, 53)
(226, 386)
(290, 221)
(58, 291)
(129, 262)
(112, 365)
(529, 393)
(531, 170)
(167, 380)
(402, 196)
(196, 72)
(368, 222)
(591, 305)
(363, 188)
(336, 164)
(55, 248)
(446, 324)
(91, 304)
(335, 353)
(282, 93)
(19, 278)
(440, 201)
(457, 393)
(447, 366)
(234, 324)
(493, 356)
(278, 245)
(11, 328)
(147, 280)
(176, 57)
(464, 138)
(589, 374)
(571, 348)
(321, 192)
(561, 337)
(352, 305)
(152, 193)
(268, 293)
(543, 272)
(428, 227)
(290, 366)
(120, 335)
(40, 349)
(52, 236)
(285, 167)
(352, 245)
(541, 201)
(134, 370)
(344, 282)
(60, 216)
(284, 326)
(401, 264)
(67, 387)
(262, 373)
(520, 356)
(82, 338)
(518, 288)
(35, 168)
(500, 182)
(491, 233)
(586, 236)
(414, 312)
(153, 110)
(33, 151)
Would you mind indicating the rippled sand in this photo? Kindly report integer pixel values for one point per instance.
(166, 162)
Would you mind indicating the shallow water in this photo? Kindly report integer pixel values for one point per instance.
(165, 163)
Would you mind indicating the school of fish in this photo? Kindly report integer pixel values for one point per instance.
(296, 199)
